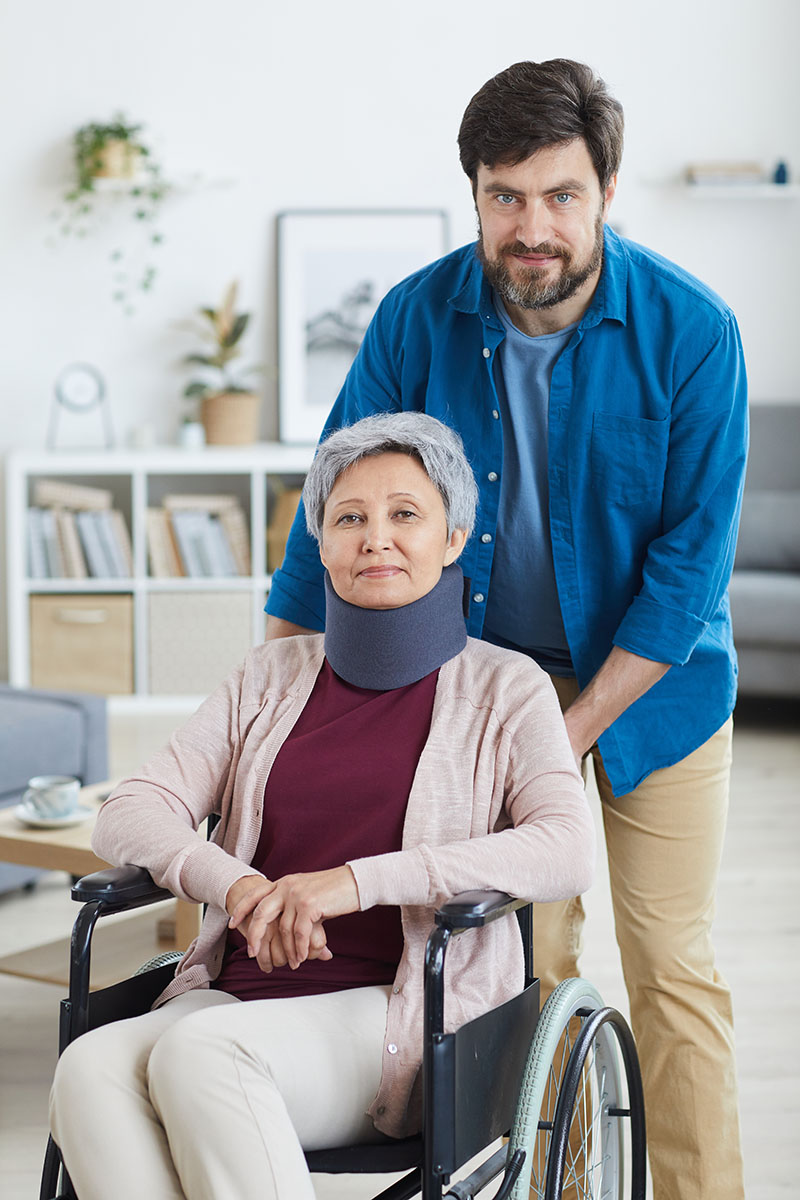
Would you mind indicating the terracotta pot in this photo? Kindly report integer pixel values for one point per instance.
(230, 418)
(118, 159)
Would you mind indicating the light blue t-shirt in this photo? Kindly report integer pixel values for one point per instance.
(529, 617)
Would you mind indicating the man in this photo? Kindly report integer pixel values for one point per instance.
(600, 392)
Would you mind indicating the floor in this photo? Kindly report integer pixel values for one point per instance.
(757, 937)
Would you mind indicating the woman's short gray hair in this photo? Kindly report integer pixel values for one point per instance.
(437, 447)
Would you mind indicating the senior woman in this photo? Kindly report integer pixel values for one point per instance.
(362, 777)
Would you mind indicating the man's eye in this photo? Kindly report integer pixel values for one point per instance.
(562, 198)
(505, 199)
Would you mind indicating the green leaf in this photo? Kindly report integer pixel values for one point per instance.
(196, 389)
(202, 360)
(238, 328)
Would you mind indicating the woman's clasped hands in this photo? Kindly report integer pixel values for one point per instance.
(282, 921)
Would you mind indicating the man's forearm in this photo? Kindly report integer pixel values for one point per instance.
(623, 678)
(278, 628)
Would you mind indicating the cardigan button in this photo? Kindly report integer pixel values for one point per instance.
(381, 1109)
(396, 990)
(391, 1048)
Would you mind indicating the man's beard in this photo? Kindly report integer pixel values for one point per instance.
(531, 289)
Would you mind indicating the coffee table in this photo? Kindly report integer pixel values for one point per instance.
(70, 850)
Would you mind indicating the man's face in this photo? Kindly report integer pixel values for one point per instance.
(541, 225)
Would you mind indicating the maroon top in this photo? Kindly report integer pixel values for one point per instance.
(337, 791)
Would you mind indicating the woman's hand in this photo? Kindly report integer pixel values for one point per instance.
(245, 894)
(293, 908)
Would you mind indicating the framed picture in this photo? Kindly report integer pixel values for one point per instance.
(334, 268)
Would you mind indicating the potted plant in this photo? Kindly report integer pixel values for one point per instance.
(228, 405)
(115, 158)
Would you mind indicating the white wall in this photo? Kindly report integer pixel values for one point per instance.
(357, 104)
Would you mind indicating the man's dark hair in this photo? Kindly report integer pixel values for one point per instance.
(531, 105)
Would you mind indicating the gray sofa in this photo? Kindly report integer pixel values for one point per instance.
(765, 587)
(47, 733)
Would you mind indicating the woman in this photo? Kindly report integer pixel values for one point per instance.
(362, 777)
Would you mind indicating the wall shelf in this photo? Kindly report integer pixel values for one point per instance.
(205, 621)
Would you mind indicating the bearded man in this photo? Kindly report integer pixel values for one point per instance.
(600, 392)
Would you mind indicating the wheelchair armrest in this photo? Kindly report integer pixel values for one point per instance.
(471, 910)
(122, 887)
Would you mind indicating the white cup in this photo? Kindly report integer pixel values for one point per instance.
(52, 796)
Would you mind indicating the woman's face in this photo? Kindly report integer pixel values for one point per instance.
(384, 533)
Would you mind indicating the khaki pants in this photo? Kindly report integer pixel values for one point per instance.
(210, 1098)
(664, 844)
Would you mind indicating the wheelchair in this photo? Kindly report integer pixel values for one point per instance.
(562, 1085)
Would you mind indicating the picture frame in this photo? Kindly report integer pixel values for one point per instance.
(334, 268)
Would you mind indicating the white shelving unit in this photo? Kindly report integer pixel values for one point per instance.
(138, 480)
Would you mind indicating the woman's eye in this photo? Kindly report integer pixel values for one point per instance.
(405, 514)
(348, 519)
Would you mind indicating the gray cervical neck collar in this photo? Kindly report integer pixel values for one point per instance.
(389, 648)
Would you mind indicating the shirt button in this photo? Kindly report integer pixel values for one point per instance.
(492, 477)
(486, 537)
(479, 597)
(486, 352)
(495, 414)
(391, 1048)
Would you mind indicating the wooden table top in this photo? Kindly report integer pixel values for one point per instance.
(67, 849)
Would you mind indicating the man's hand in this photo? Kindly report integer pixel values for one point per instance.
(623, 678)
(294, 908)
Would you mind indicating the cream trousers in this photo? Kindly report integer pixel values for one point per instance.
(210, 1098)
(664, 844)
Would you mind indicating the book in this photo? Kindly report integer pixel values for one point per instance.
(237, 531)
(53, 493)
(222, 560)
(97, 557)
(71, 549)
(280, 523)
(116, 546)
(123, 541)
(52, 545)
(165, 562)
(192, 535)
(37, 552)
(197, 500)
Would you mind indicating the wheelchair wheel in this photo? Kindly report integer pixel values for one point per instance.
(570, 1118)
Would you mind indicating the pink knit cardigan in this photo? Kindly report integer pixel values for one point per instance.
(497, 802)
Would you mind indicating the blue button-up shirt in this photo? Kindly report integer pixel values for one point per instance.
(647, 448)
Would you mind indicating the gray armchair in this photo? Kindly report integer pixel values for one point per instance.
(47, 733)
(765, 587)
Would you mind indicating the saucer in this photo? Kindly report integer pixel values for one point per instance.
(28, 816)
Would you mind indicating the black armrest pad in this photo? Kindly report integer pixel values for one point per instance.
(125, 886)
(470, 910)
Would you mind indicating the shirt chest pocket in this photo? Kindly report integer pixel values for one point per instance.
(628, 457)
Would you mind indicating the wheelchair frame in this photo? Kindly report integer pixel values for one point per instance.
(471, 1078)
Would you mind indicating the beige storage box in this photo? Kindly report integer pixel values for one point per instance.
(82, 643)
(195, 640)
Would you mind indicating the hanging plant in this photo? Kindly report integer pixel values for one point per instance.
(113, 161)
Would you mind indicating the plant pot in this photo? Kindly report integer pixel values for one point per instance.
(117, 159)
(230, 418)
